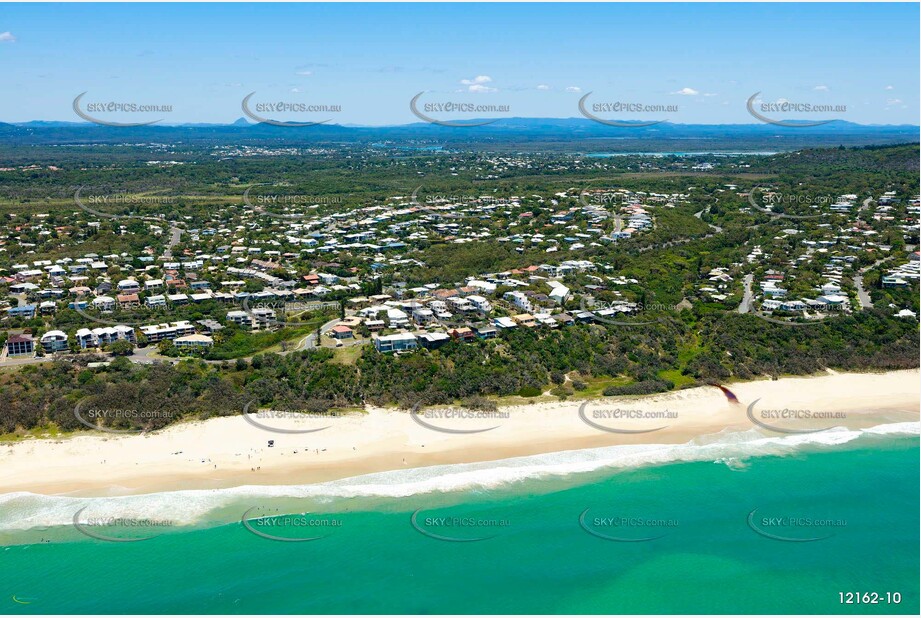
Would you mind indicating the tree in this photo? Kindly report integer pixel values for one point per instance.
(121, 347)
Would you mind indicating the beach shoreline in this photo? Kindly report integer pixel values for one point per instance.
(229, 451)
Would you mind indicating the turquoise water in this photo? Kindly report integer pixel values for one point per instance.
(860, 498)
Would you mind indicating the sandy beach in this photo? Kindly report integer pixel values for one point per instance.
(231, 451)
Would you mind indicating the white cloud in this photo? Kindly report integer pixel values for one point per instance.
(543, 87)
(686, 92)
(893, 101)
(295, 90)
(7, 37)
(888, 88)
(821, 88)
(710, 94)
(478, 84)
(304, 73)
(479, 79)
(573, 89)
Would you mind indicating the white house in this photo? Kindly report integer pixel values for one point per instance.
(54, 341)
(481, 303)
(86, 339)
(519, 300)
(395, 343)
(104, 303)
(128, 286)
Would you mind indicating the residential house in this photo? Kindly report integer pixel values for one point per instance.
(86, 339)
(486, 332)
(463, 334)
(22, 311)
(341, 332)
(193, 342)
(525, 319)
(20, 345)
(158, 332)
(104, 303)
(128, 286)
(126, 301)
(395, 343)
(480, 303)
(157, 300)
(54, 341)
(432, 341)
(519, 299)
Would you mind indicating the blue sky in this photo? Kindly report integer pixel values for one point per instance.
(538, 59)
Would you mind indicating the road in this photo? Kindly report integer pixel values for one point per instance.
(746, 303)
(862, 295)
(175, 235)
(700, 213)
(310, 340)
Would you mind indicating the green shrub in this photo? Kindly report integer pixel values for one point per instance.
(529, 391)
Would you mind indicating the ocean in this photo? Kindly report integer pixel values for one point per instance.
(731, 523)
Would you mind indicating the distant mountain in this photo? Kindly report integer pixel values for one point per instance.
(49, 123)
(571, 134)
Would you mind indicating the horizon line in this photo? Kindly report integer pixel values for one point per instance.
(247, 123)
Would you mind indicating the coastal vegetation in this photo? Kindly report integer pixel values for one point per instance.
(616, 360)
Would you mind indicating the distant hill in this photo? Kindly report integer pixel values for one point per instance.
(572, 134)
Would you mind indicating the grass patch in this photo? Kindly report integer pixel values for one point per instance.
(244, 343)
(675, 377)
(595, 386)
(347, 355)
(46, 432)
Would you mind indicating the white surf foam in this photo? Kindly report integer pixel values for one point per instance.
(24, 510)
